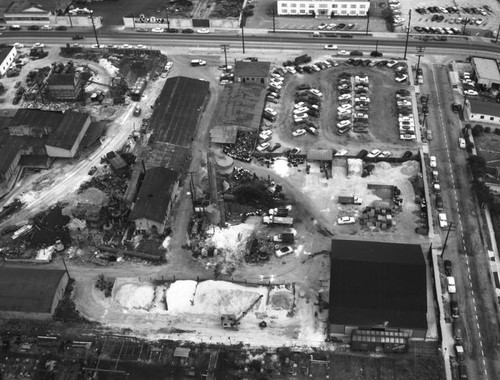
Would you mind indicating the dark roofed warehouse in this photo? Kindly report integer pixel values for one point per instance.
(381, 285)
(30, 293)
(182, 102)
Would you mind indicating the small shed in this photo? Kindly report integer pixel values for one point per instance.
(252, 71)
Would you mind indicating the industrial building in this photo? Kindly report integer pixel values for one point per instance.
(7, 56)
(64, 86)
(250, 71)
(31, 293)
(152, 207)
(377, 287)
(34, 137)
(323, 8)
(482, 111)
(486, 73)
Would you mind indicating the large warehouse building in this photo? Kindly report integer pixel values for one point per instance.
(378, 288)
(31, 293)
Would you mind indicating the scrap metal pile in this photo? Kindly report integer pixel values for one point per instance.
(243, 148)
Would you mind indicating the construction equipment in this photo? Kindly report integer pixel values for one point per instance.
(229, 321)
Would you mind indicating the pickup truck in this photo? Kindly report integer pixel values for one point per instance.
(286, 237)
(350, 200)
(271, 219)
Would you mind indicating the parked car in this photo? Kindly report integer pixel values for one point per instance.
(284, 251)
(137, 110)
(331, 47)
(433, 162)
(78, 37)
(262, 147)
(461, 143)
(471, 92)
(454, 309)
(299, 132)
(346, 220)
(198, 62)
(374, 153)
(157, 30)
(203, 31)
(343, 52)
(452, 288)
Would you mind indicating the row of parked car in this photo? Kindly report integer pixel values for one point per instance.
(469, 86)
(406, 121)
(307, 106)
(354, 103)
(484, 10)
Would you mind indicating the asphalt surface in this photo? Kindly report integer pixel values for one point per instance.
(466, 246)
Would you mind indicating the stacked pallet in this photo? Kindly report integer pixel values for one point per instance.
(378, 217)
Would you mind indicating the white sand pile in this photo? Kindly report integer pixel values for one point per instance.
(232, 237)
(213, 297)
(354, 167)
(410, 168)
(281, 168)
(180, 294)
(135, 296)
(109, 67)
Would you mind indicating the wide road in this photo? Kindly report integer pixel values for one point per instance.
(466, 247)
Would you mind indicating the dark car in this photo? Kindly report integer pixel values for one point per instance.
(439, 207)
(362, 154)
(172, 30)
(456, 107)
(61, 27)
(92, 170)
(454, 309)
(33, 27)
(340, 26)
(188, 30)
(274, 147)
(356, 53)
(78, 37)
(462, 372)
(447, 268)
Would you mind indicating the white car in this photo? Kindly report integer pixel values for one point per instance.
(265, 134)
(443, 220)
(385, 153)
(284, 251)
(299, 132)
(433, 162)
(345, 96)
(270, 111)
(157, 30)
(46, 27)
(301, 110)
(343, 123)
(263, 146)
(322, 26)
(18, 45)
(364, 99)
(401, 78)
(361, 79)
(471, 92)
(315, 68)
(168, 66)
(343, 52)
(127, 46)
(316, 92)
(341, 152)
(203, 31)
(198, 62)
(291, 69)
(452, 288)
(346, 220)
(461, 143)
(392, 63)
(95, 46)
(331, 47)
(344, 107)
(374, 153)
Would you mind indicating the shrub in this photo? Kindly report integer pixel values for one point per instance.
(487, 129)
(497, 131)
(477, 130)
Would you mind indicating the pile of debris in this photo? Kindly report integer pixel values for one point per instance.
(258, 251)
(377, 217)
(108, 183)
(243, 148)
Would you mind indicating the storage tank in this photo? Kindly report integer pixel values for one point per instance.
(224, 164)
(213, 213)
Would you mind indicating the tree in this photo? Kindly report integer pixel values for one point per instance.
(477, 166)
(477, 130)
(483, 192)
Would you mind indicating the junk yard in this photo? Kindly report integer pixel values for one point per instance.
(194, 219)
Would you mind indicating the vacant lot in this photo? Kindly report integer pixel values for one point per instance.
(488, 146)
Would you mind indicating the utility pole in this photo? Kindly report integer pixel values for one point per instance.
(243, 38)
(225, 47)
(498, 31)
(66, 268)
(274, 22)
(407, 33)
(446, 239)
(367, 22)
(168, 21)
(420, 53)
(93, 27)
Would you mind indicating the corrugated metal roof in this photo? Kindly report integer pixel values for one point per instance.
(68, 130)
(486, 68)
(28, 290)
(154, 195)
(320, 154)
(258, 69)
(36, 118)
(378, 284)
(484, 108)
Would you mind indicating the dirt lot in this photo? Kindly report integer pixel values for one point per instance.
(488, 147)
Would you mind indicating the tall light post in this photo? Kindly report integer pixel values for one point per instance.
(93, 27)
(367, 22)
(407, 33)
(168, 21)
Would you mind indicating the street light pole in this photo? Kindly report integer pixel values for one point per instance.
(168, 21)
(367, 22)
(93, 27)
(274, 22)
(243, 38)
(407, 33)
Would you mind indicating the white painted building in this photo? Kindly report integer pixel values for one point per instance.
(323, 8)
(482, 111)
(7, 55)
